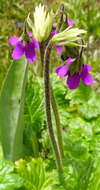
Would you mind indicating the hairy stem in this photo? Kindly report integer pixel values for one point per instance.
(54, 107)
(42, 50)
(88, 33)
(47, 106)
(58, 125)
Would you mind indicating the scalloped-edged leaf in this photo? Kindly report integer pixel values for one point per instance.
(9, 180)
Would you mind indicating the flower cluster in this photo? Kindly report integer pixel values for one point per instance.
(70, 23)
(42, 28)
(73, 80)
(24, 47)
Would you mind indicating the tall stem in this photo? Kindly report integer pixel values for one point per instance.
(88, 25)
(58, 125)
(42, 50)
(47, 106)
(54, 107)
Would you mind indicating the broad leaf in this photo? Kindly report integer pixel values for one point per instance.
(11, 110)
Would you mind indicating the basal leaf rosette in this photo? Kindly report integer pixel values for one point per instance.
(68, 37)
(41, 24)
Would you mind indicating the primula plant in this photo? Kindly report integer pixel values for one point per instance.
(31, 105)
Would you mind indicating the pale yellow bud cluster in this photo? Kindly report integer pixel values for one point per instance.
(68, 37)
(42, 23)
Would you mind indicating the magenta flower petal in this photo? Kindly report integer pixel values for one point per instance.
(35, 43)
(62, 71)
(73, 81)
(18, 50)
(13, 40)
(53, 32)
(70, 22)
(30, 52)
(70, 60)
(30, 33)
(85, 75)
(59, 49)
(88, 67)
(88, 79)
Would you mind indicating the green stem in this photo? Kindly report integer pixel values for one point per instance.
(58, 125)
(47, 106)
(35, 145)
(42, 50)
(88, 33)
(54, 107)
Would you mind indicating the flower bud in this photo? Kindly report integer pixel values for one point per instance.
(68, 37)
(42, 25)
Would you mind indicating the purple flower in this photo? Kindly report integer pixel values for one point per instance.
(62, 71)
(53, 32)
(26, 48)
(70, 22)
(73, 80)
(58, 48)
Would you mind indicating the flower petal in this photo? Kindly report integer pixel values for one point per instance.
(88, 67)
(30, 33)
(30, 52)
(70, 22)
(13, 40)
(59, 49)
(53, 32)
(35, 43)
(62, 71)
(70, 60)
(88, 80)
(18, 50)
(73, 81)
(85, 75)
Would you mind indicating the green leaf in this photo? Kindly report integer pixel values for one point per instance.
(11, 110)
(35, 175)
(33, 114)
(8, 179)
(85, 175)
(95, 177)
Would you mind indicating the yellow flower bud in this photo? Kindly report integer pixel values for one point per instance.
(42, 25)
(68, 37)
